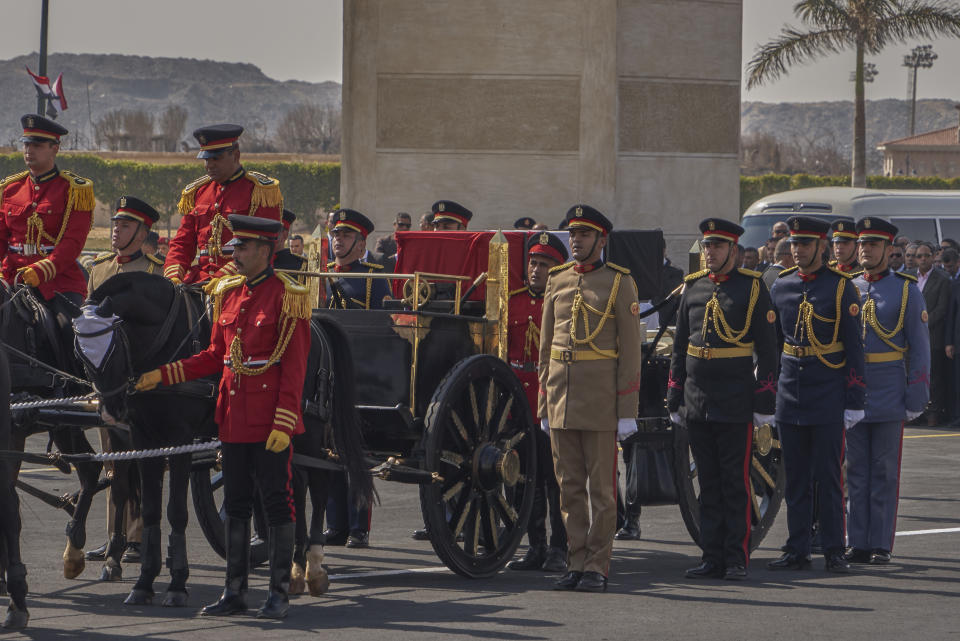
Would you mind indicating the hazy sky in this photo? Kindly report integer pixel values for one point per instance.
(302, 40)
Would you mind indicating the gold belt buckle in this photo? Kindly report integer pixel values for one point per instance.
(566, 356)
(705, 353)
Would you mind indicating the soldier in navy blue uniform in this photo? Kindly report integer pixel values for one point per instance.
(725, 318)
(820, 391)
(843, 237)
(348, 244)
(897, 354)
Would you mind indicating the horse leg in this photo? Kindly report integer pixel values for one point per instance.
(317, 579)
(297, 572)
(74, 441)
(119, 495)
(151, 489)
(177, 515)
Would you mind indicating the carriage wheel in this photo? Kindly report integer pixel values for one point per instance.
(480, 441)
(206, 486)
(767, 480)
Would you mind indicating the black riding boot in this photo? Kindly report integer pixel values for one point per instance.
(233, 599)
(150, 565)
(281, 558)
(17, 614)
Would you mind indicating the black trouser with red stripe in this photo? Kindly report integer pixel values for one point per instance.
(250, 466)
(722, 453)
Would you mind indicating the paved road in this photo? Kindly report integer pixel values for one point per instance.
(374, 595)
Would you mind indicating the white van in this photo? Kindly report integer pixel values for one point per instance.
(918, 214)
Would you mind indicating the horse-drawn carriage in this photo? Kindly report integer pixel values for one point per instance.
(442, 409)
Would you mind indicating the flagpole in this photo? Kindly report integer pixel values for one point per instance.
(41, 101)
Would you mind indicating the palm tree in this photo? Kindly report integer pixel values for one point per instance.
(866, 26)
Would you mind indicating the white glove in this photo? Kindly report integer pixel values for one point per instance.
(913, 415)
(545, 426)
(675, 417)
(625, 427)
(762, 419)
(852, 417)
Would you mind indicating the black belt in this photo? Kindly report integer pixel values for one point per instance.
(524, 367)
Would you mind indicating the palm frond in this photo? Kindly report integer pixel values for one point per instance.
(916, 19)
(824, 14)
(792, 48)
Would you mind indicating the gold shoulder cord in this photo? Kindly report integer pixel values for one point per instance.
(579, 306)
(870, 319)
(78, 196)
(216, 235)
(295, 307)
(805, 318)
(726, 334)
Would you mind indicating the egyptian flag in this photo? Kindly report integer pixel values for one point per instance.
(52, 93)
(456, 253)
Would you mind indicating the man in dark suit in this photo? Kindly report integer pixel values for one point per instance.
(935, 285)
(951, 265)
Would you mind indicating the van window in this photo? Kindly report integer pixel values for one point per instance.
(917, 228)
(950, 228)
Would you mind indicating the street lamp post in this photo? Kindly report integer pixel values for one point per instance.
(41, 101)
(921, 57)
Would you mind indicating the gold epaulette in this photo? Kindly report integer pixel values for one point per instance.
(11, 179)
(787, 271)
(518, 291)
(752, 273)
(832, 263)
(296, 298)
(371, 265)
(906, 276)
(220, 289)
(560, 268)
(189, 195)
(266, 191)
(103, 257)
(618, 268)
(840, 272)
(80, 195)
(153, 258)
(689, 278)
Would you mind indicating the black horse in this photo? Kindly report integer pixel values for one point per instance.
(32, 328)
(17, 615)
(156, 323)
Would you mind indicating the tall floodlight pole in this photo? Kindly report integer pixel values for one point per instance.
(921, 57)
(870, 72)
(45, 7)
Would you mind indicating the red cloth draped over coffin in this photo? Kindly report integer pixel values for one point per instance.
(457, 253)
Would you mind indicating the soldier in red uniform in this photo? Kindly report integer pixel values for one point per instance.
(227, 189)
(45, 216)
(544, 251)
(260, 342)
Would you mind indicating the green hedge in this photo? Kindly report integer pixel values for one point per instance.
(753, 188)
(306, 186)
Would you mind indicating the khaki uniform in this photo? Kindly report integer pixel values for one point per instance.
(589, 378)
(104, 267)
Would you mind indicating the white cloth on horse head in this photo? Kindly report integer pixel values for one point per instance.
(94, 348)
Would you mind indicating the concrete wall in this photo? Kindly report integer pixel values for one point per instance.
(525, 107)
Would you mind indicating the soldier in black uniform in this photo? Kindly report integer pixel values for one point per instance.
(349, 243)
(284, 258)
(725, 318)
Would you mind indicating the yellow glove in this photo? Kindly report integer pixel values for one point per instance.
(278, 441)
(175, 280)
(29, 276)
(149, 381)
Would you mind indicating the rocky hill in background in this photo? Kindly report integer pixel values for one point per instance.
(210, 92)
(831, 123)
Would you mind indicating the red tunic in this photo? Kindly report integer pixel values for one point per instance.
(250, 406)
(205, 206)
(63, 203)
(523, 340)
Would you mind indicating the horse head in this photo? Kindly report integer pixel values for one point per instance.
(119, 334)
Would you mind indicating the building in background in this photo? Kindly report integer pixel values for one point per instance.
(524, 108)
(934, 153)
